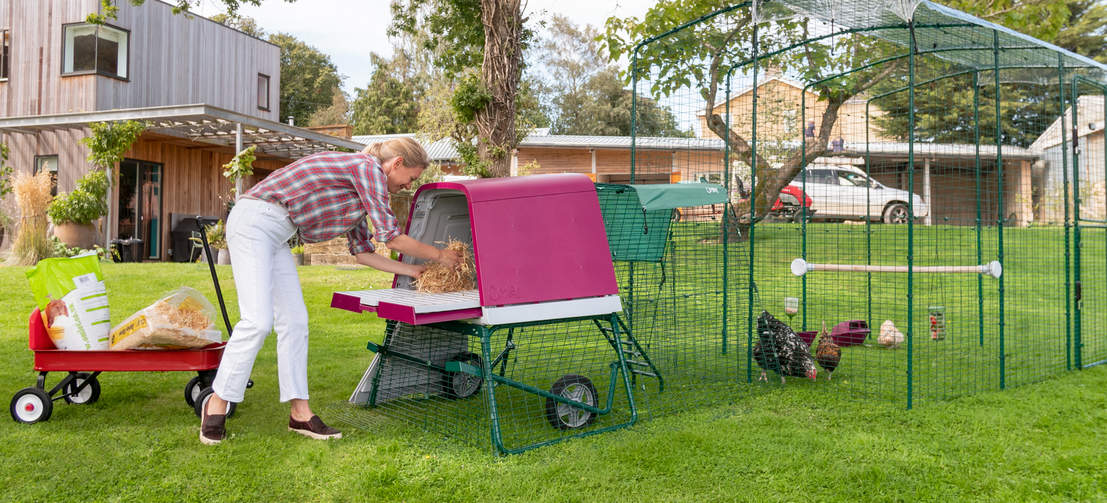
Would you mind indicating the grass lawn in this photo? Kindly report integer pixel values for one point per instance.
(1040, 442)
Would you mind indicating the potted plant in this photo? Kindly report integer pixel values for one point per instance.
(217, 238)
(74, 212)
(298, 254)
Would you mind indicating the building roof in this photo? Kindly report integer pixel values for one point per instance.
(1089, 112)
(443, 150)
(935, 151)
(198, 123)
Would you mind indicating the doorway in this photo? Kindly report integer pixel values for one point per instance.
(140, 212)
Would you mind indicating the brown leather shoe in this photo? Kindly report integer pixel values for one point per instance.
(313, 428)
(213, 427)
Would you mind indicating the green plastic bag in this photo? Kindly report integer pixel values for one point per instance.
(73, 300)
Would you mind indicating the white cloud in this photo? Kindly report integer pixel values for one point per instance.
(349, 30)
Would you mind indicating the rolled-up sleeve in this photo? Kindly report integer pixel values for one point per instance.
(357, 239)
(372, 188)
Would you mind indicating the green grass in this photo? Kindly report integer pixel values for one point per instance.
(799, 442)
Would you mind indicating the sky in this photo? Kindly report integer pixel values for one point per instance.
(349, 30)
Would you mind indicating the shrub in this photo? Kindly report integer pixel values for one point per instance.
(85, 204)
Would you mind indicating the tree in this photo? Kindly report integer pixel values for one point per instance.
(699, 57)
(245, 24)
(1085, 31)
(488, 31)
(109, 9)
(1028, 104)
(390, 103)
(337, 113)
(308, 78)
(585, 93)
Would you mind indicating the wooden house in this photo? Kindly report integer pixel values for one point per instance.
(205, 91)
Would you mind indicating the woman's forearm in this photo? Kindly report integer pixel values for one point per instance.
(410, 246)
(388, 265)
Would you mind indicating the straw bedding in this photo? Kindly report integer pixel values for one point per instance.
(439, 278)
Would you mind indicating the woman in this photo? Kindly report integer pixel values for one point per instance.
(321, 197)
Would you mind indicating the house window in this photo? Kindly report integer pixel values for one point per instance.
(48, 163)
(5, 53)
(263, 92)
(89, 48)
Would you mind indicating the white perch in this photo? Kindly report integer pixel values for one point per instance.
(993, 268)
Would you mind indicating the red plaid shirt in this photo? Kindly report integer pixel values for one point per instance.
(329, 194)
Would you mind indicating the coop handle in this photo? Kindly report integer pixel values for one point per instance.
(993, 268)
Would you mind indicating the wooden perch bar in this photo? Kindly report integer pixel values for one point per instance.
(993, 268)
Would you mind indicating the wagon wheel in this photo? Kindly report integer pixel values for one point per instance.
(89, 394)
(564, 416)
(203, 397)
(461, 384)
(31, 405)
(193, 388)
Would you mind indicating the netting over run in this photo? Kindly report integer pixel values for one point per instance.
(926, 185)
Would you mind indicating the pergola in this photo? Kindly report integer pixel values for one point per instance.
(198, 123)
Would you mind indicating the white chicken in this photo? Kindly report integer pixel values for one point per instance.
(889, 336)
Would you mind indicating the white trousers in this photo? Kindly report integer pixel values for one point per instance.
(269, 297)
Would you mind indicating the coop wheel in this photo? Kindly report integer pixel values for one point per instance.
(896, 213)
(192, 390)
(566, 417)
(203, 397)
(31, 405)
(90, 393)
(459, 385)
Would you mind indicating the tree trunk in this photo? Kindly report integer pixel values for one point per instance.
(503, 22)
(769, 179)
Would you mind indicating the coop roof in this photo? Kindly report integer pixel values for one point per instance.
(199, 123)
(667, 196)
(935, 27)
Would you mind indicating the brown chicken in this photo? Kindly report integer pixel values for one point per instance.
(827, 353)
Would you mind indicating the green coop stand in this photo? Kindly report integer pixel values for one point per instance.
(431, 361)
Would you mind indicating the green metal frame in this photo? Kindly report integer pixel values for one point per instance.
(488, 373)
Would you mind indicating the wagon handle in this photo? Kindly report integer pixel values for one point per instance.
(214, 277)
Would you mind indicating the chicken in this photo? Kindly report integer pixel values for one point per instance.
(779, 349)
(889, 336)
(827, 353)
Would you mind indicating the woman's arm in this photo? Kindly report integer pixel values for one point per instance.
(388, 265)
(409, 246)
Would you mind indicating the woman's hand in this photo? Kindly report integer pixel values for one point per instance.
(449, 258)
(416, 271)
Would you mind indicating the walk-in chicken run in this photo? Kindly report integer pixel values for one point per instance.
(538, 351)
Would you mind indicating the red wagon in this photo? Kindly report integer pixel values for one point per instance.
(81, 386)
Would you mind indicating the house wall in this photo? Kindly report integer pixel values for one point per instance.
(35, 86)
(174, 60)
(192, 179)
(1049, 206)
(613, 165)
(783, 110)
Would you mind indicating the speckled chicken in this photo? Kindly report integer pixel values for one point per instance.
(827, 353)
(779, 349)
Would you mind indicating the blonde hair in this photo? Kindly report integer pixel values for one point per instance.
(407, 148)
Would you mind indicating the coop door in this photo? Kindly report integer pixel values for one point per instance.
(1088, 157)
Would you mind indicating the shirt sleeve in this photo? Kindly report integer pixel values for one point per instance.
(372, 188)
(357, 239)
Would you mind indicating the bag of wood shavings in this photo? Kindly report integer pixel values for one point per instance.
(181, 320)
(73, 300)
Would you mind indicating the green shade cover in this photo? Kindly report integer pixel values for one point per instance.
(667, 196)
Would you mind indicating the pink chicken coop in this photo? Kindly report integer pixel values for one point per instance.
(541, 332)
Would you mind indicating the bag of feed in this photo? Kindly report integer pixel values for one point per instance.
(73, 300)
(183, 319)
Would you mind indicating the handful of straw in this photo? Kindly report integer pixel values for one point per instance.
(440, 278)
